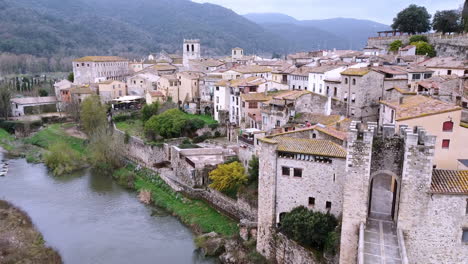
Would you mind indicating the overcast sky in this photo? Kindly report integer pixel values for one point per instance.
(378, 10)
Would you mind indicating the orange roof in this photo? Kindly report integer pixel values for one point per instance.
(449, 181)
(100, 59)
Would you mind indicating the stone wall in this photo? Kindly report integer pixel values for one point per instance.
(387, 154)
(445, 45)
(290, 252)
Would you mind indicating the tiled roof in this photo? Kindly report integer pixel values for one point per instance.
(318, 147)
(419, 106)
(408, 47)
(445, 62)
(164, 67)
(255, 97)
(81, 90)
(314, 118)
(356, 71)
(290, 95)
(252, 69)
(156, 94)
(395, 70)
(250, 81)
(100, 59)
(324, 68)
(331, 131)
(404, 91)
(450, 182)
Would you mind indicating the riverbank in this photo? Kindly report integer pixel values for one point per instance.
(196, 214)
(20, 242)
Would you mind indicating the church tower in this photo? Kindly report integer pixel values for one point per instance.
(191, 50)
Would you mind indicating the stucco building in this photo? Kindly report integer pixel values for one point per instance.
(93, 69)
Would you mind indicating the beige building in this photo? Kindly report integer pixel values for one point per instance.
(110, 90)
(439, 118)
(189, 86)
(93, 69)
(153, 97)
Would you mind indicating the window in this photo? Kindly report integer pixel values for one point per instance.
(253, 105)
(335, 91)
(217, 88)
(328, 90)
(297, 172)
(345, 96)
(448, 126)
(392, 116)
(346, 80)
(354, 81)
(82, 64)
(294, 87)
(314, 135)
(281, 216)
(446, 143)
(353, 111)
(328, 205)
(311, 201)
(449, 72)
(427, 75)
(217, 99)
(285, 171)
(416, 76)
(353, 97)
(465, 236)
(466, 206)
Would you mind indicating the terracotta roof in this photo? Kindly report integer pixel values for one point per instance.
(450, 182)
(100, 59)
(403, 91)
(222, 83)
(250, 81)
(417, 68)
(324, 68)
(356, 71)
(407, 47)
(317, 147)
(290, 95)
(252, 69)
(395, 70)
(314, 118)
(156, 94)
(419, 106)
(331, 131)
(255, 97)
(81, 90)
(445, 62)
(164, 67)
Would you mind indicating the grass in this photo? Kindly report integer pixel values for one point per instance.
(134, 127)
(54, 133)
(206, 118)
(6, 140)
(195, 213)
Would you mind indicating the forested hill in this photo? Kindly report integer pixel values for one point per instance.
(64, 28)
(81, 27)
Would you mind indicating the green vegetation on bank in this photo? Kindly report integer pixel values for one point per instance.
(20, 241)
(133, 127)
(6, 140)
(195, 213)
(52, 134)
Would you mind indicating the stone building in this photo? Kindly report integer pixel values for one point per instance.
(296, 170)
(110, 90)
(395, 205)
(237, 53)
(93, 69)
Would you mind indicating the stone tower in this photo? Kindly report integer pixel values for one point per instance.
(267, 199)
(356, 189)
(192, 51)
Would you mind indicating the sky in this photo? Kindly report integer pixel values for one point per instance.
(382, 11)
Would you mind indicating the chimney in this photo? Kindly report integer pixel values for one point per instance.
(401, 100)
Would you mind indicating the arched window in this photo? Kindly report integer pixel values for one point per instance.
(448, 126)
(346, 80)
(354, 81)
(193, 47)
(188, 47)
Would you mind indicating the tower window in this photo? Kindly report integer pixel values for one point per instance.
(297, 172)
(285, 171)
(328, 205)
(193, 48)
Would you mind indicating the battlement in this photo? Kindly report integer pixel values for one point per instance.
(417, 136)
(364, 132)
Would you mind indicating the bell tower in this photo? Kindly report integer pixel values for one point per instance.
(191, 50)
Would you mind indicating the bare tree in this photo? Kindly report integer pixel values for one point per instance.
(5, 100)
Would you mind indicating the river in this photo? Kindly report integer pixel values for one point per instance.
(90, 219)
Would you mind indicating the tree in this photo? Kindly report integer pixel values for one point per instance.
(93, 114)
(228, 177)
(43, 93)
(253, 169)
(71, 77)
(413, 19)
(62, 159)
(311, 229)
(105, 150)
(172, 123)
(424, 48)
(395, 45)
(149, 110)
(447, 21)
(465, 16)
(5, 101)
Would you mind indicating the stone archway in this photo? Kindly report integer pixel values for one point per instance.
(384, 193)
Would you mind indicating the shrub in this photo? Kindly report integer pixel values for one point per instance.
(423, 48)
(93, 114)
(43, 93)
(172, 123)
(125, 177)
(311, 229)
(150, 110)
(417, 38)
(253, 170)
(62, 159)
(121, 118)
(228, 177)
(213, 126)
(395, 45)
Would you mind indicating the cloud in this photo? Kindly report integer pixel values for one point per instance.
(378, 10)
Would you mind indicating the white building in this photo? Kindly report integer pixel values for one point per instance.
(221, 96)
(33, 105)
(318, 75)
(94, 69)
(237, 53)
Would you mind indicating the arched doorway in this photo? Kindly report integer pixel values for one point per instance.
(383, 196)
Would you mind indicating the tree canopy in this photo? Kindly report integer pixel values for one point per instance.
(413, 19)
(150, 110)
(5, 104)
(227, 177)
(447, 21)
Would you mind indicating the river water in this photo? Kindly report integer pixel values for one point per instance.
(90, 219)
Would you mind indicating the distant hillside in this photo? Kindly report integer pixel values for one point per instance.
(348, 33)
(80, 27)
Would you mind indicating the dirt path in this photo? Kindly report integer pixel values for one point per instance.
(75, 132)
